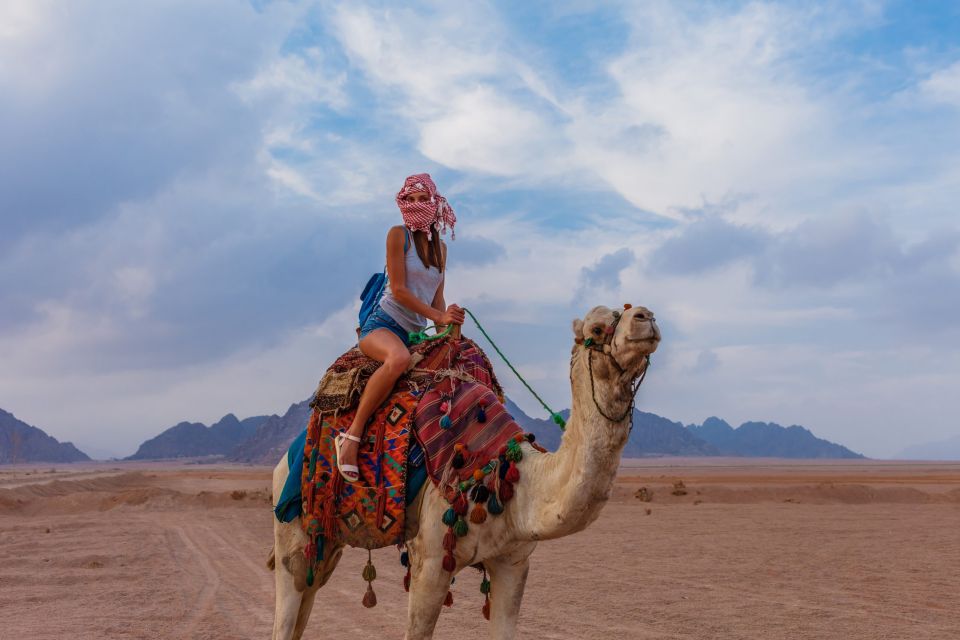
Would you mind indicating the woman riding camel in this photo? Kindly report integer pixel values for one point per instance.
(414, 296)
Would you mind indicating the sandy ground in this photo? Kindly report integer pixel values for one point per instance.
(753, 549)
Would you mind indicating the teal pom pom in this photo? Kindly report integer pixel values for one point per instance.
(445, 422)
(449, 517)
(493, 505)
(460, 528)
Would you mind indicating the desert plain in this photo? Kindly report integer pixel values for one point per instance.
(685, 548)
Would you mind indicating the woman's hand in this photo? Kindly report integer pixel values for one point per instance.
(453, 315)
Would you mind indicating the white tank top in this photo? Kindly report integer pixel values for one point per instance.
(422, 282)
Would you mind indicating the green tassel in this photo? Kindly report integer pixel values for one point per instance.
(460, 527)
(310, 576)
(449, 517)
(485, 586)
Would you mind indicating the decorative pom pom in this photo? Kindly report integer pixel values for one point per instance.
(506, 492)
(459, 447)
(449, 517)
(494, 506)
(504, 465)
(479, 494)
(369, 572)
(485, 586)
(310, 576)
(406, 581)
(486, 609)
(444, 406)
(461, 528)
(478, 475)
(481, 414)
(449, 540)
(405, 559)
(513, 474)
(369, 598)
(449, 563)
(531, 437)
(627, 305)
(478, 515)
(445, 422)
(460, 505)
(448, 601)
(518, 438)
(458, 461)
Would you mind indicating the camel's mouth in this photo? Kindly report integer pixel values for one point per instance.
(641, 327)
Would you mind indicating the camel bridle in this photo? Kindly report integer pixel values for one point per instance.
(593, 345)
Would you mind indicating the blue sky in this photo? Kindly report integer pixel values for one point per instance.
(193, 194)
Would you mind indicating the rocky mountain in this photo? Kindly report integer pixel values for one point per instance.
(273, 437)
(767, 439)
(20, 442)
(651, 435)
(268, 438)
(189, 439)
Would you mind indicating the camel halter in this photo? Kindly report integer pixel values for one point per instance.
(593, 345)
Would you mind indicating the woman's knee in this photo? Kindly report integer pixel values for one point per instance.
(397, 361)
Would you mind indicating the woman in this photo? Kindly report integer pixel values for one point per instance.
(416, 264)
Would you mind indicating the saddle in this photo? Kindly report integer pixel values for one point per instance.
(449, 405)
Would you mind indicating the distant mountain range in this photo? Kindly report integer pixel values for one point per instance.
(263, 440)
(21, 442)
(191, 439)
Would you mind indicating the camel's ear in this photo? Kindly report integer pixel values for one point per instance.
(578, 327)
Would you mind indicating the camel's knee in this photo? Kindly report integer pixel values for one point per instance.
(296, 565)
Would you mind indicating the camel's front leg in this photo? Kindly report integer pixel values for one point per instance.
(508, 576)
(429, 584)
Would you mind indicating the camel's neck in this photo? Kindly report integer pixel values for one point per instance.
(570, 487)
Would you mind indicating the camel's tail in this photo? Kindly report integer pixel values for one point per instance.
(272, 561)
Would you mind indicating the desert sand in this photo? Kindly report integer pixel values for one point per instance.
(745, 549)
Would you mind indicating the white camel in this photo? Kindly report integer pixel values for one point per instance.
(558, 493)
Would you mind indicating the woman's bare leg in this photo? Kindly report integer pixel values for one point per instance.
(385, 346)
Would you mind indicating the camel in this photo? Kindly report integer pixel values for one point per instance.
(558, 493)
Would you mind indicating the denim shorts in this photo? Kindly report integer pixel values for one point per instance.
(380, 319)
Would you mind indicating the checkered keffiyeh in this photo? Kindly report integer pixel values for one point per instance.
(436, 213)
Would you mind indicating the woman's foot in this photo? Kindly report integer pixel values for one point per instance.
(348, 447)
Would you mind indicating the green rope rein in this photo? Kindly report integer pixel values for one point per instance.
(556, 417)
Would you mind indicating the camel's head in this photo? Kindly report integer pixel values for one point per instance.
(629, 335)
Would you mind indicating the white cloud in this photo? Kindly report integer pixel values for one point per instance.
(943, 85)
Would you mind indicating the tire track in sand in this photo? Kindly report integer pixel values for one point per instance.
(205, 601)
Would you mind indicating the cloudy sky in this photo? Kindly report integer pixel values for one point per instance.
(193, 194)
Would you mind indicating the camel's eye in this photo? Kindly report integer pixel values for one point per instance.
(597, 331)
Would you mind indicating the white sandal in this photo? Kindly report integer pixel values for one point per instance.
(344, 469)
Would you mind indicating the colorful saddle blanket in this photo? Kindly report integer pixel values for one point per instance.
(371, 512)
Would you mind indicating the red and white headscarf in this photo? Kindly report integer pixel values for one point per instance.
(436, 213)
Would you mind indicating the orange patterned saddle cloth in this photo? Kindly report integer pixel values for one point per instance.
(370, 513)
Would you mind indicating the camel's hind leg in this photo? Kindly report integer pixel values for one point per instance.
(294, 598)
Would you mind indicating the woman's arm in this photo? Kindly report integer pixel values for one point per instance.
(396, 268)
(438, 301)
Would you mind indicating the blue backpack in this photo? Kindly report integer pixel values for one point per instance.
(375, 285)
